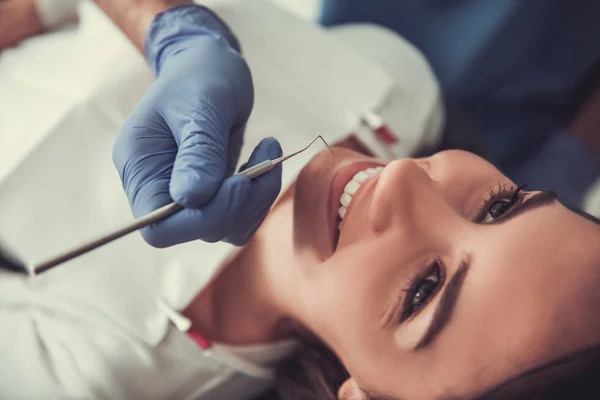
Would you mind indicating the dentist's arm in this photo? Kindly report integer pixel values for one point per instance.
(21, 19)
(18, 20)
(183, 140)
(133, 17)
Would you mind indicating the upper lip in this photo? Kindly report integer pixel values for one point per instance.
(339, 181)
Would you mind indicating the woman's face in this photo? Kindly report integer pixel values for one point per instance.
(445, 279)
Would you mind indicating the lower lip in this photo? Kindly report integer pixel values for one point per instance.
(338, 183)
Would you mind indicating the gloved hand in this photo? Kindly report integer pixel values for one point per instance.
(183, 140)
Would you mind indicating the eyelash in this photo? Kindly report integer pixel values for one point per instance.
(509, 196)
(412, 289)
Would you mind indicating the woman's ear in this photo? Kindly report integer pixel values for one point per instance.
(351, 391)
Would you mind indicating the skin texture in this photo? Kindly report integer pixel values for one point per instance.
(529, 295)
(18, 20)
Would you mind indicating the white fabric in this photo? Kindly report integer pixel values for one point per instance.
(93, 328)
(53, 13)
(591, 203)
(415, 124)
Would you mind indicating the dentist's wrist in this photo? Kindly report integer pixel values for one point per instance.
(174, 28)
(18, 20)
(134, 17)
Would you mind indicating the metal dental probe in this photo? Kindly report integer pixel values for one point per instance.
(155, 216)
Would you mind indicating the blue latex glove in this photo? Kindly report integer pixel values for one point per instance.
(182, 141)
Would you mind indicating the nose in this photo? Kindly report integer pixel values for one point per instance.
(404, 193)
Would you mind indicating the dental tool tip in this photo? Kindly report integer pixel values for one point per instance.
(324, 142)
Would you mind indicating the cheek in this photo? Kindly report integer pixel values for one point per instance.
(354, 229)
(349, 295)
(507, 315)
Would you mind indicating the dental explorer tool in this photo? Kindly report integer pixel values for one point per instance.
(155, 216)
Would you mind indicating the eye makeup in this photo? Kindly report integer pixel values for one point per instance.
(421, 289)
(499, 200)
(524, 203)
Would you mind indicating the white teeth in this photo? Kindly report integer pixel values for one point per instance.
(361, 176)
(345, 199)
(352, 187)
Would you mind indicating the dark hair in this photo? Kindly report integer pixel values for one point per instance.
(579, 211)
(316, 373)
(575, 376)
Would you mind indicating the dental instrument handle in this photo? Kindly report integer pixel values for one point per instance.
(258, 169)
(154, 216)
(139, 223)
(133, 226)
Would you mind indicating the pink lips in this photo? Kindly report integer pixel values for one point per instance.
(338, 183)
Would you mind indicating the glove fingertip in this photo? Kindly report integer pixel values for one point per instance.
(272, 147)
(221, 213)
(192, 191)
(153, 237)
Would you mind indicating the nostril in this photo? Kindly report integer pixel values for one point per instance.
(423, 163)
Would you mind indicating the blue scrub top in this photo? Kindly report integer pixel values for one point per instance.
(517, 68)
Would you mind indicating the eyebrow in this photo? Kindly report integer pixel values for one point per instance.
(447, 303)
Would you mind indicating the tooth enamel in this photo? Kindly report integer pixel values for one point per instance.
(345, 199)
(352, 187)
(361, 176)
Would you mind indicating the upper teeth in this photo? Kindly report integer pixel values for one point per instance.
(352, 187)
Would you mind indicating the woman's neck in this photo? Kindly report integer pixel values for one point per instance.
(242, 305)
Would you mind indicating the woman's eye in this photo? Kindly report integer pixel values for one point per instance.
(422, 290)
(496, 210)
(498, 203)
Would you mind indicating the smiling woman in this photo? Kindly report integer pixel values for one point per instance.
(430, 278)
